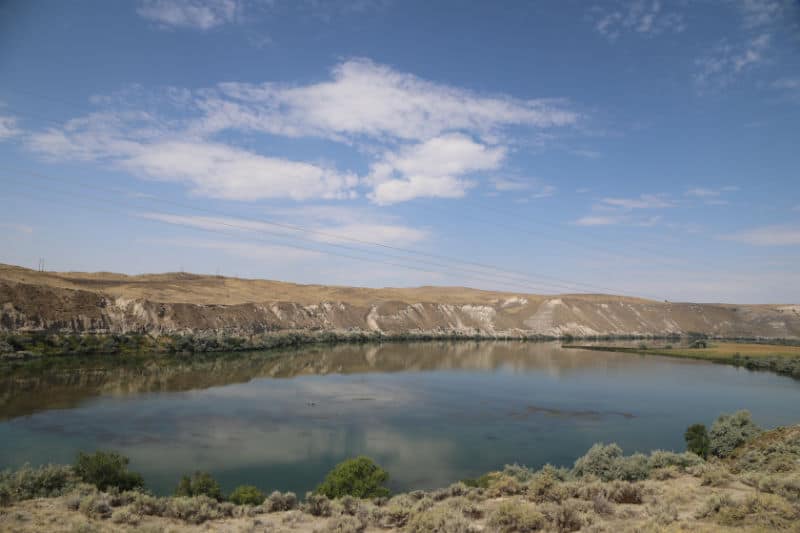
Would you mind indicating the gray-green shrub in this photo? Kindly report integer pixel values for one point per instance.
(731, 431)
(36, 482)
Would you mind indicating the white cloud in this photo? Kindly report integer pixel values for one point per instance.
(644, 201)
(198, 14)
(435, 168)
(8, 127)
(599, 220)
(365, 99)
(644, 17)
(220, 171)
(429, 138)
(768, 236)
(720, 67)
(138, 143)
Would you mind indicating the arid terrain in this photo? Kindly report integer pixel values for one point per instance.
(73, 302)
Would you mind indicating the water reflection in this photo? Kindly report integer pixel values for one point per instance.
(430, 413)
(30, 387)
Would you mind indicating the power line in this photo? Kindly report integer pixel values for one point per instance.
(306, 248)
(506, 273)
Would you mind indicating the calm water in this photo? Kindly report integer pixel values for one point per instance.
(430, 413)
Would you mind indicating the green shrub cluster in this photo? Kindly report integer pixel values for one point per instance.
(199, 484)
(359, 477)
(107, 469)
(246, 495)
(697, 440)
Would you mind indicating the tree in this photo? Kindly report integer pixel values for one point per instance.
(107, 469)
(359, 477)
(697, 440)
(200, 484)
(247, 495)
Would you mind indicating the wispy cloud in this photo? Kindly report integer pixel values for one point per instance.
(320, 224)
(532, 186)
(759, 13)
(197, 14)
(711, 196)
(643, 17)
(644, 201)
(726, 62)
(599, 220)
(768, 236)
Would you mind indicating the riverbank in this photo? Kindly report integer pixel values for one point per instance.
(782, 359)
(754, 487)
(32, 344)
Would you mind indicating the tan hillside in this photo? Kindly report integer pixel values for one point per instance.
(179, 302)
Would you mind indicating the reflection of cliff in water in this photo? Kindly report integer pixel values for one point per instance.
(28, 388)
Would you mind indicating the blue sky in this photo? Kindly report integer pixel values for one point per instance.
(638, 147)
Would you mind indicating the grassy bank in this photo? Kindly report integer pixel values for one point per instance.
(781, 358)
(749, 482)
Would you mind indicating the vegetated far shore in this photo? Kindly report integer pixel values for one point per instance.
(782, 358)
(733, 477)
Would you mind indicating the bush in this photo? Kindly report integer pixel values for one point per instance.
(40, 482)
(197, 509)
(344, 524)
(503, 485)
(664, 459)
(567, 519)
(359, 477)
(607, 463)
(516, 516)
(277, 502)
(246, 495)
(697, 440)
(96, 506)
(107, 469)
(441, 519)
(731, 431)
(715, 476)
(546, 487)
(317, 505)
(200, 484)
(625, 492)
(397, 511)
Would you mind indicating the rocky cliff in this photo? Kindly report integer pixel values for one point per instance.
(183, 303)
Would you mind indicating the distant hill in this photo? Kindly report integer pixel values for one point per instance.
(179, 302)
